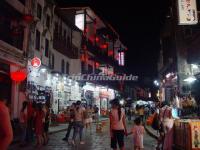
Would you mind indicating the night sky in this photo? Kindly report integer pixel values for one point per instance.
(138, 23)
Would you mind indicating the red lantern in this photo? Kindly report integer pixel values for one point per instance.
(28, 18)
(97, 65)
(18, 76)
(104, 46)
(110, 53)
(97, 39)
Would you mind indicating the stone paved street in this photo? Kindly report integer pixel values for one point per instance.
(94, 141)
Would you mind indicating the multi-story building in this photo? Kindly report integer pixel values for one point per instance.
(176, 70)
(14, 29)
(56, 43)
(102, 52)
(47, 44)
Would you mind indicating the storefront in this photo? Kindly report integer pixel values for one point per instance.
(45, 85)
(99, 96)
(12, 79)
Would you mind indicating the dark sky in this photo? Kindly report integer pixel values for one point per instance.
(138, 23)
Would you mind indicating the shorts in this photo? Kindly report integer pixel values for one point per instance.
(118, 138)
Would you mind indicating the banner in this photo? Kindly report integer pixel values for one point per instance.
(187, 12)
(195, 131)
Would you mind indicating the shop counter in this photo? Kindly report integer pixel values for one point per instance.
(187, 134)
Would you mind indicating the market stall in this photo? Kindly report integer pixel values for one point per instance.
(187, 134)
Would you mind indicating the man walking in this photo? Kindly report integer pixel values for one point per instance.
(71, 122)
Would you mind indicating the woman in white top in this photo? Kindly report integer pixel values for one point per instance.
(117, 125)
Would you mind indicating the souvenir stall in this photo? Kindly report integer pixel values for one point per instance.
(187, 131)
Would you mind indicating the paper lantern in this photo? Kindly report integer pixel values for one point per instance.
(28, 18)
(110, 53)
(97, 65)
(97, 39)
(104, 46)
(18, 76)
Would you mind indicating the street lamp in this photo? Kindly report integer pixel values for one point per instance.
(156, 83)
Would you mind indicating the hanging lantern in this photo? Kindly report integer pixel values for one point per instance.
(97, 65)
(97, 39)
(28, 18)
(18, 76)
(110, 53)
(104, 46)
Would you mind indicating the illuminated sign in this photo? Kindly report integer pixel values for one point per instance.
(79, 21)
(187, 12)
(121, 58)
(36, 62)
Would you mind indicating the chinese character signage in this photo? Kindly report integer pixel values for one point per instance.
(187, 12)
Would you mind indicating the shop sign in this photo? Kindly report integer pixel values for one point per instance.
(187, 12)
(36, 62)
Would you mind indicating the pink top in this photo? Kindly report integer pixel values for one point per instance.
(138, 133)
(116, 123)
(6, 133)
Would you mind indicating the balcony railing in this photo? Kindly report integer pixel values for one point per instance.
(61, 46)
(102, 57)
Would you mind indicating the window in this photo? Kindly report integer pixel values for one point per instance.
(48, 21)
(37, 40)
(64, 37)
(52, 60)
(47, 48)
(68, 42)
(67, 68)
(90, 69)
(63, 66)
(39, 11)
(22, 1)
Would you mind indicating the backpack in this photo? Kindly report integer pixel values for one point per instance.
(155, 123)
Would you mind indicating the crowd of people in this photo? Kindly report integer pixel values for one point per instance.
(35, 119)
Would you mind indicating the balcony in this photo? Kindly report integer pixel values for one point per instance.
(99, 55)
(61, 46)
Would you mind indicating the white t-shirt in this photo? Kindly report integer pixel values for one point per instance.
(116, 123)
